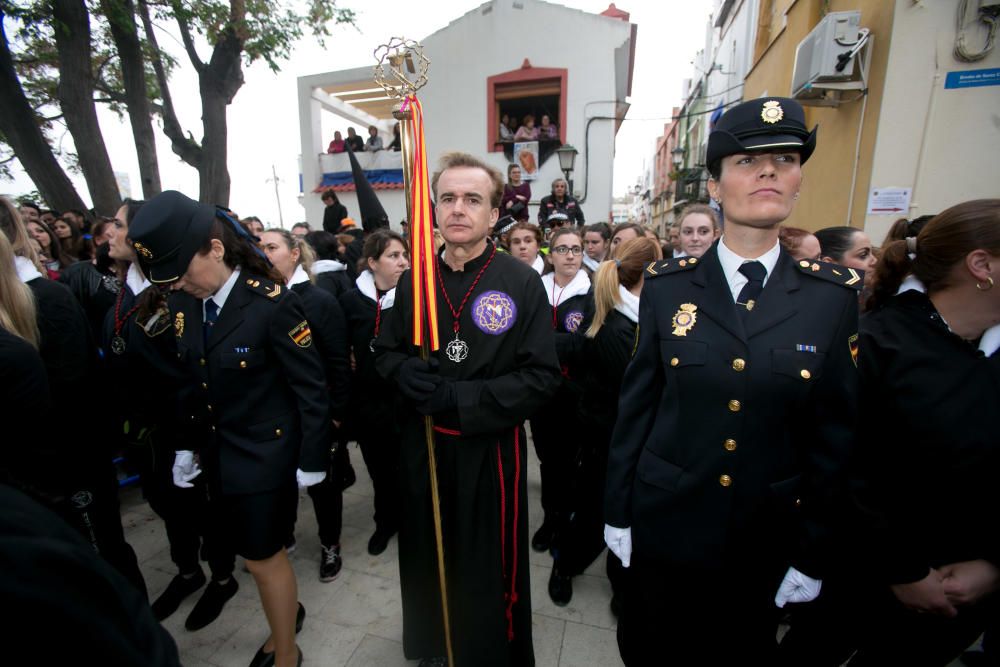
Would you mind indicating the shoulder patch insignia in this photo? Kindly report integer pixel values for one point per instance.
(667, 266)
(833, 272)
(852, 344)
(264, 288)
(159, 322)
(301, 335)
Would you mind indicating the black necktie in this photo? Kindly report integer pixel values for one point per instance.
(211, 316)
(755, 273)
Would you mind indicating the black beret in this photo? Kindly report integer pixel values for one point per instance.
(762, 124)
(167, 232)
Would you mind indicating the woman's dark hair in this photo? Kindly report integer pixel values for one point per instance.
(561, 231)
(510, 168)
(330, 194)
(601, 228)
(132, 207)
(524, 225)
(376, 244)
(324, 244)
(904, 229)
(834, 242)
(55, 250)
(240, 251)
(75, 247)
(942, 244)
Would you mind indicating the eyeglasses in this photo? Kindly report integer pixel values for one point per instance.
(563, 249)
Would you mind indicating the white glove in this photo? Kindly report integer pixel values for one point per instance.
(797, 587)
(185, 469)
(306, 479)
(619, 540)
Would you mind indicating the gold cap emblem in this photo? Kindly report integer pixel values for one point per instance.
(143, 250)
(772, 112)
(685, 318)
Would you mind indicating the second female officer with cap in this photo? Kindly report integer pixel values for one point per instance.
(736, 416)
(255, 407)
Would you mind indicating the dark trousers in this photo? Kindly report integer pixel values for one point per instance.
(870, 623)
(684, 615)
(184, 511)
(556, 444)
(328, 500)
(380, 449)
(581, 540)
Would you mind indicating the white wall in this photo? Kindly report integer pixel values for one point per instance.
(733, 51)
(945, 144)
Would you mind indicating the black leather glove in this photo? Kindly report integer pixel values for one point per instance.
(417, 379)
(443, 399)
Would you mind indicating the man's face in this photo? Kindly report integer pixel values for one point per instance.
(299, 231)
(464, 213)
(675, 238)
(28, 214)
(559, 189)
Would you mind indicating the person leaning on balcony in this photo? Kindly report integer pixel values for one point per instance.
(736, 417)
(354, 142)
(337, 145)
(527, 131)
(562, 201)
(374, 142)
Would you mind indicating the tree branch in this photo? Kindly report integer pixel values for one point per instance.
(185, 28)
(184, 146)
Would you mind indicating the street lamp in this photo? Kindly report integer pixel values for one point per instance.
(567, 156)
(678, 156)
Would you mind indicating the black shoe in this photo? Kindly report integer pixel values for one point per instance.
(329, 563)
(542, 539)
(434, 662)
(379, 541)
(208, 608)
(179, 588)
(560, 587)
(263, 659)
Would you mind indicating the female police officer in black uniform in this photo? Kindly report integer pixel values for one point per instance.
(736, 416)
(255, 405)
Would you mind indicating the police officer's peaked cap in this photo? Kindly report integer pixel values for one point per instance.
(167, 232)
(759, 125)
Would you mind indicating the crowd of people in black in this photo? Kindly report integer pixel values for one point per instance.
(710, 407)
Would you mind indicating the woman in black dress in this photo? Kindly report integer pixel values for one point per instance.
(293, 258)
(386, 256)
(254, 404)
(922, 574)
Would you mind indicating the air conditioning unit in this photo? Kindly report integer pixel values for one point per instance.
(827, 55)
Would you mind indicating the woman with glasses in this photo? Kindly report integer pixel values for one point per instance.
(566, 284)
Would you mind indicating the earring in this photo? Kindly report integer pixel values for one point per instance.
(796, 196)
(989, 282)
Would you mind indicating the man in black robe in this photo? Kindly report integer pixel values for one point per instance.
(496, 365)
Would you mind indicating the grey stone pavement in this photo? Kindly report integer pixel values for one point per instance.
(356, 620)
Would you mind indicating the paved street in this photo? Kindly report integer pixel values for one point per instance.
(357, 620)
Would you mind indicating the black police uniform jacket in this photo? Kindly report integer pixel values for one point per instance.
(511, 369)
(928, 443)
(371, 396)
(256, 407)
(731, 441)
(329, 333)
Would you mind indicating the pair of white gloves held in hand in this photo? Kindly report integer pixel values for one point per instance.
(795, 587)
(186, 468)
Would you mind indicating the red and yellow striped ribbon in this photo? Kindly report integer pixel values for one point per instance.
(422, 256)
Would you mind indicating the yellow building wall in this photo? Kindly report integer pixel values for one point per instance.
(826, 189)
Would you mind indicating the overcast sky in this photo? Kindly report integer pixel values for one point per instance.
(263, 119)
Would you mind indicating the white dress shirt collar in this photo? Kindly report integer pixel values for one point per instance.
(220, 297)
(731, 263)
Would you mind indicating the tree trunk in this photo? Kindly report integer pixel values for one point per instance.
(20, 128)
(121, 18)
(220, 79)
(71, 25)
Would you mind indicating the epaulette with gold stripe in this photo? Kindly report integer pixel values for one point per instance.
(264, 287)
(667, 266)
(835, 273)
